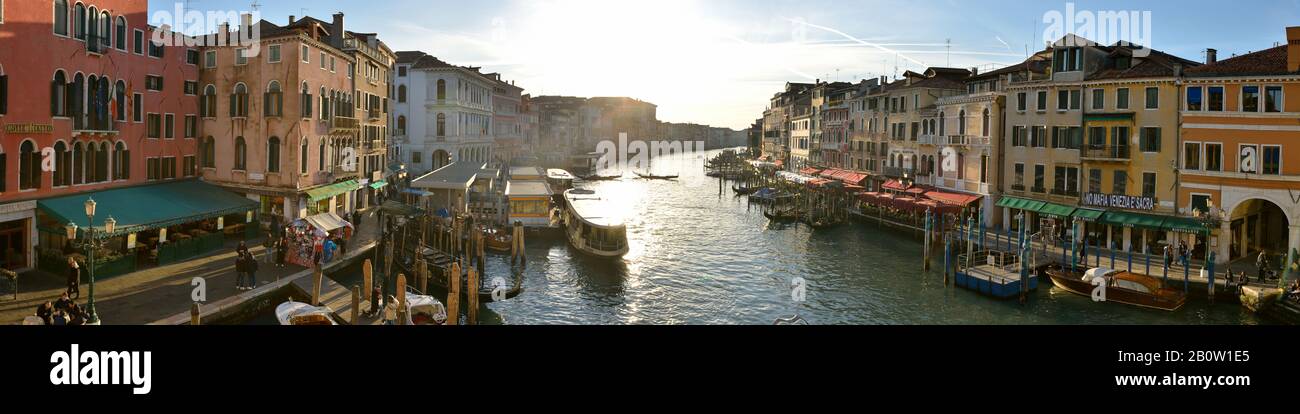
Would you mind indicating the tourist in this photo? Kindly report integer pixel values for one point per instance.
(375, 293)
(74, 278)
(1169, 256)
(76, 316)
(63, 303)
(390, 310)
(242, 248)
(241, 267)
(252, 272)
(1184, 253)
(46, 312)
(327, 250)
(1261, 265)
(60, 318)
(281, 250)
(343, 245)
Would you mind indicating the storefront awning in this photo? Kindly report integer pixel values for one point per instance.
(149, 207)
(1017, 203)
(1058, 210)
(324, 192)
(378, 184)
(810, 171)
(1185, 225)
(1126, 219)
(954, 199)
(1089, 215)
(327, 222)
(848, 177)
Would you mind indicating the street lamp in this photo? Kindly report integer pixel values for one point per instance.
(91, 243)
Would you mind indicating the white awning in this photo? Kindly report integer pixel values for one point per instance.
(328, 222)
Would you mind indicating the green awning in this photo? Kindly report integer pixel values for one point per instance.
(1058, 210)
(379, 184)
(149, 207)
(1087, 214)
(1185, 225)
(1018, 203)
(1126, 219)
(324, 192)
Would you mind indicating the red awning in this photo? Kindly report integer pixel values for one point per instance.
(916, 190)
(954, 199)
(818, 182)
(848, 177)
(894, 185)
(810, 171)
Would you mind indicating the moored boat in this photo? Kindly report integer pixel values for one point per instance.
(648, 176)
(560, 180)
(425, 310)
(1122, 287)
(592, 226)
(302, 314)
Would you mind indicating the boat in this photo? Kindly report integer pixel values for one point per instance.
(424, 310)
(440, 266)
(1122, 287)
(498, 241)
(598, 177)
(302, 314)
(993, 273)
(781, 214)
(824, 222)
(559, 180)
(648, 176)
(739, 190)
(592, 226)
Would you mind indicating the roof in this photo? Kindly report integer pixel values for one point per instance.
(591, 208)
(527, 172)
(1154, 65)
(454, 176)
(527, 188)
(169, 204)
(1264, 62)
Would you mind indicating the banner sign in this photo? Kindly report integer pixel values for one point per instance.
(1119, 201)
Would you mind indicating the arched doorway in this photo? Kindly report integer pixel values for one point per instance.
(1258, 225)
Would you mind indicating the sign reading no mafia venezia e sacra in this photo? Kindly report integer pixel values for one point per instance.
(1119, 201)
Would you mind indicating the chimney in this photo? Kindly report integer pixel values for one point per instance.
(974, 71)
(1211, 56)
(246, 23)
(336, 33)
(292, 19)
(1293, 49)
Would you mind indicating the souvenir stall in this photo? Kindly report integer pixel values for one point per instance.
(304, 235)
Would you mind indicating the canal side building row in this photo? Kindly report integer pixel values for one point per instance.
(1139, 147)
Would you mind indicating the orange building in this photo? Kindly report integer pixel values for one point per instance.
(1240, 158)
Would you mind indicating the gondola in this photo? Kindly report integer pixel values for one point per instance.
(745, 190)
(498, 241)
(656, 177)
(301, 314)
(781, 214)
(597, 177)
(440, 266)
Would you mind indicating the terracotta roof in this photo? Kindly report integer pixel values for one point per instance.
(1155, 64)
(1264, 62)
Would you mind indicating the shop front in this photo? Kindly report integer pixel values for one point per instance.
(17, 235)
(184, 219)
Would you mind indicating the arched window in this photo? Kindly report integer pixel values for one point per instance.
(62, 176)
(101, 164)
(273, 102)
(119, 97)
(59, 94)
(305, 101)
(241, 154)
(401, 124)
(88, 162)
(105, 29)
(320, 156)
(77, 101)
(239, 101)
(401, 93)
(209, 150)
(78, 161)
(324, 104)
(120, 33)
(961, 123)
(29, 169)
(273, 155)
(92, 26)
(121, 162)
(61, 17)
(208, 105)
(79, 21)
(941, 122)
(442, 125)
(442, 89)
(985, 122)
(302, 156)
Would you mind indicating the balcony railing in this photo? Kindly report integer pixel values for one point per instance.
(1106, 153)
(1042, 190)
(968, 140)
(374, 114)
(342, 124)
(928, 140)
(1018, 187)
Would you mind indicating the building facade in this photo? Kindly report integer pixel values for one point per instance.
(87, 103)
(447, 113)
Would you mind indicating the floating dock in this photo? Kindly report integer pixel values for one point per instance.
(996, 275)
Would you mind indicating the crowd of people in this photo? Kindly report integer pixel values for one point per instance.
(64, 311)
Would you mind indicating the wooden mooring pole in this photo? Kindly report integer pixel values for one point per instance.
(453, 294)
(473, 296)
(194, 314)
(401, 299)
(356, 306)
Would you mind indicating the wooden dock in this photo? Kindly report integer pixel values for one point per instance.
(338, 298)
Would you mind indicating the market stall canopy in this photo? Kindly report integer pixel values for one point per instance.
(328, 222)
(1017, 203)
(1185, 225)
(1089, 215)
(794, 178)
(417, 193)
(848, 177)
(1058, 210)
(954, 199)
(327, 191)
(379, 184)
(149, 207)
(810, 171)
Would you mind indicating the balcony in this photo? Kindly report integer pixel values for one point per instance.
(374, 115)
(928, 139)
(1111, 153)
(970, 186)
(94, 124)
(341, 125)
(968, 140)
(1040, 190)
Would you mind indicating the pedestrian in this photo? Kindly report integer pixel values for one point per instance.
(1169, 256)
(390, 311)
(63, 303)
(242, 248)
(327, 250)
(1183, 253)
(60, 318)
(252, 272)
(74, 278)
(375, 293)
(281, 250)
(46, 312)
(1083, 251)
(1261, 265)
(241, 267)
(343, 246)
(76, 316)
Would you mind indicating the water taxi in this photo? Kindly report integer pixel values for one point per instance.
(1122, 287)
(591, 226)
(302, 314)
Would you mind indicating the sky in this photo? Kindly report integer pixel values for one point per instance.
(718, 62)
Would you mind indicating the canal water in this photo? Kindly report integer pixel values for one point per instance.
(698, 257)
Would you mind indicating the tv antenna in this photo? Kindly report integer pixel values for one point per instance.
(256, 6)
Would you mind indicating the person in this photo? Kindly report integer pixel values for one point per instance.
(252, 272)
(76, 316)
(281, 250)
(60, 318)
(327, 250)
(1242, 279)
(1183, 253)
(241, 267)
(242, 248)
(46, 312)
(63, 302)
(1083, 250)
(343, 246)
(374, 299)
(1169, 256)
(1261, 265)
(74, 278)
(390, 311)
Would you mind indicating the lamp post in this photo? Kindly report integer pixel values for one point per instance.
(90, 242)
